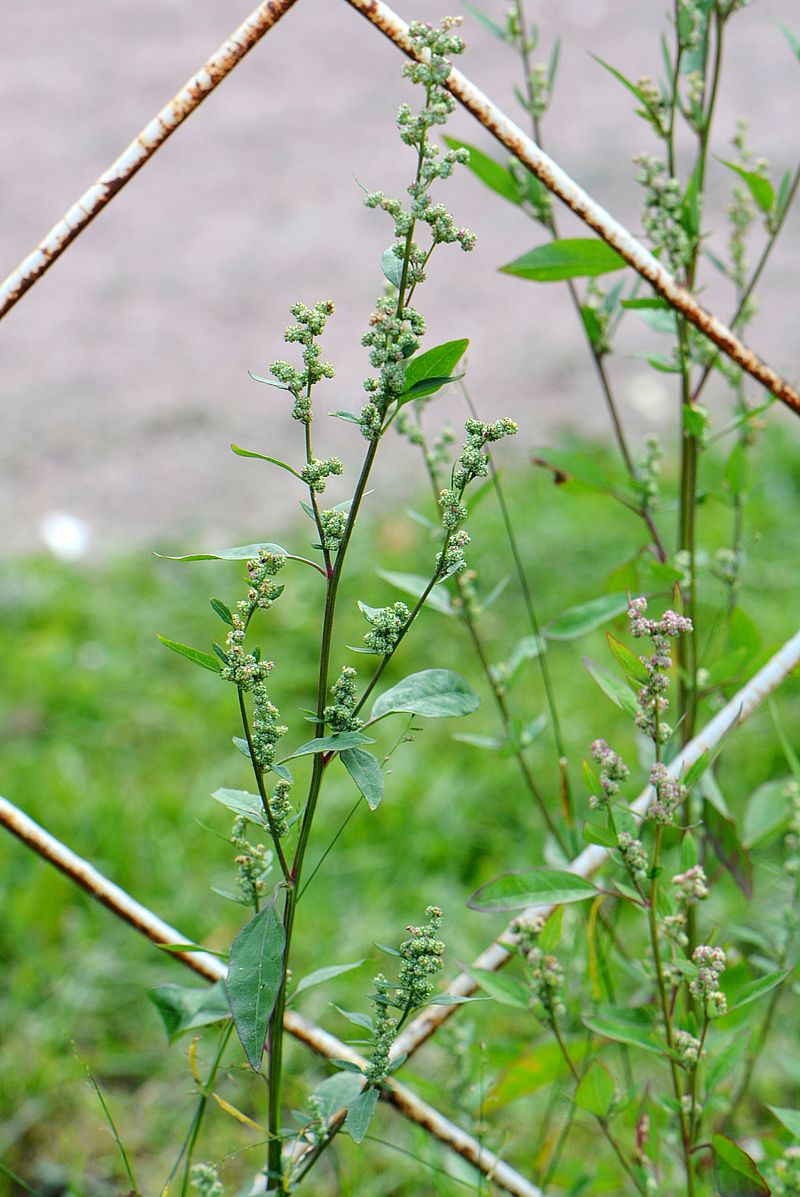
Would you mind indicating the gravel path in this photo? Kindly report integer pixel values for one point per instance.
(125, 371)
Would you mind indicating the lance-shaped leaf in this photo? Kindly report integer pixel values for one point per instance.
(623, 1025)
(585, 618)
(532, 887)
(435, 693)
(491, 172)
(243, 552)
(735, 1173)
(254, 976)
(595, 1093)
(576, 257)
(428, 372)
(333, 743)
(321, 975)
(759, 187)
(415, 585)
(365, 770)
(753, 990)
(243, 803)
(193, 654)
(359, 1113)
(240, 452)
(613, 687)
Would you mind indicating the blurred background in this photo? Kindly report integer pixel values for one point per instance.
(125, 370)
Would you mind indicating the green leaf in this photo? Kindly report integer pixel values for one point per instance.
(631, 87)
(526, 649)
(595, 1092)
(489, 743)
(529, 1073)
(631, 665)
(365, 770)
(415, 585)
(624, 1026)
(586, 617)
(254, 978)
(766, 814)
(613, 687)
(183, 1009)
(263, 457)
(735, 1172)
(735, 473)
(761, 189)
(531, 887)
(242, 553)
(593, 833)
(392, 268)
(696, 771)
(222, 611)
(429, 371)
(333, 743)
(321, 975)
(491, 172)
(577, 257)
(193, 654)
(349, 417)
(359, 1113)
(789, 1118)
(753, 990)
(249, 806)
(356, 1017)
(723, 833)
(434, 693)
(270, 382)
(793, 41)
(508, 991)
(487, 22)
(335, 1092)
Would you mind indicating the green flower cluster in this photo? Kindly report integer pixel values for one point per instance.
(316, 473)
(339, 715)
(544, 974)
(663, 203)
(310, 325)
(387, 624)
(333, 524)
(395, 326)
(281, 808)
(252, 863)
(471, 463)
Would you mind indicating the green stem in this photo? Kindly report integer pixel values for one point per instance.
(189, 1142)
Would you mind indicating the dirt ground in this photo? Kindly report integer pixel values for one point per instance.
(125, 371)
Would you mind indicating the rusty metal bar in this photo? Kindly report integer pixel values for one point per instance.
(732, 715)
(211, 968)
(591, 213)
(140, 150)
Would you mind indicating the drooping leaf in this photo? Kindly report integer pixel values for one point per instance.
(183, 1009)
(531, 887)
(359, 1113)
(576, 621)
(254, 977)
(624, 1025)
(498, 178)
(243, 552)
(335, 1092)
(263, 457)
(760, 188)
(249, 806)
(789, 1118)
(508, 991)
(428, 372)
(336, 742)
(613, 687)
(735, 1172)
(434, 693)
(392, 267)
(365, 770)
(321, 975)
(596, 1089)
(193, 654)
(576, 257)
(415, 585)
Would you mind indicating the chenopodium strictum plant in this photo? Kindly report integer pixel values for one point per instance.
(269, 874)
(664, 1141)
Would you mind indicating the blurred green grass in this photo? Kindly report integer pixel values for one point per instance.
(115, 746)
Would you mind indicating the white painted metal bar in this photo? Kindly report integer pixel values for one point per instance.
(581, 203)
(732, 715)
(140, 150)
(120, 903)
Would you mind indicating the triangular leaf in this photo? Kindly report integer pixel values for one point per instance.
(254, 977)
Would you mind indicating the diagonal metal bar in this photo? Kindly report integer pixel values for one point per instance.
(581, 203)
(211, 968)
(141, 150)
(732, 715)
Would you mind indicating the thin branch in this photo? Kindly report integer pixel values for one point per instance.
(732, 715)
(211, 968)
(141, 150)
(591, 213)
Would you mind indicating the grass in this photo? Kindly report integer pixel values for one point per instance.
(115, 746)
